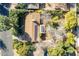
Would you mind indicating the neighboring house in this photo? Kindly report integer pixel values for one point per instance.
(35, 6)
(54, 6)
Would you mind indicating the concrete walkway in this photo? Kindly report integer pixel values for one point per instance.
(41, 46)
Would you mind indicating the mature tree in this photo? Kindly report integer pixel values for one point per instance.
(16, 20)
(21, 6)
(52, 52)
(62, 48)
(70, 38)
(69, 44)
(4, 23)
(57, 50)
(23, 48)
(77, 5)
(58, 13)
(54, 22)
(70, 20)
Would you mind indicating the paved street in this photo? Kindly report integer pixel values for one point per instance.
(6, 37)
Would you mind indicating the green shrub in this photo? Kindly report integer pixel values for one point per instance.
(70, 50)
(70, 38)
(53, 24)
(23, 48)
(55, 18)
(58, 13)
(57, 50)
(61, 49)
(40, 34)
(4, 23)
(70, 20)
(54, 21)
(16, 19)
(21, 6)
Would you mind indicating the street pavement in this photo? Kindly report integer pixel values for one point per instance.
(6, 37)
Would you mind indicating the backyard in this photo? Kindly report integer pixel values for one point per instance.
(37, 31)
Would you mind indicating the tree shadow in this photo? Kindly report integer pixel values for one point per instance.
(70, 54)
(2, 45)
(25, 37)
(22, 34)
(75, 30)
(45, 52)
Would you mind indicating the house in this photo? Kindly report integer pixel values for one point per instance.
(35, 23)
(32, 25)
